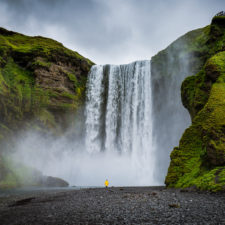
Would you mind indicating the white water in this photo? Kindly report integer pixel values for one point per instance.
(119, 121)
(117, 144)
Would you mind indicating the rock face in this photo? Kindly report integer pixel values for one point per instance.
(41, 84)
(199, 160)
(53, 182)
(39, 78)
(169, 68)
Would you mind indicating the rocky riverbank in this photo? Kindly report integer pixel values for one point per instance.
(125, 205)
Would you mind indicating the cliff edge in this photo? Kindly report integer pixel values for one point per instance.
(42, 83)
(199, 160)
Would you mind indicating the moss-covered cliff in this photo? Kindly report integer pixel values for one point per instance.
(39, 78)
(199, 160)
(41, 83)
(169, 68)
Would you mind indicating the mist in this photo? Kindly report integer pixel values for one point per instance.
(94, 149)
(71, 161)
(108, 34)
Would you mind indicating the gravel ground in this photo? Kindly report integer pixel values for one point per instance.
(125, 205)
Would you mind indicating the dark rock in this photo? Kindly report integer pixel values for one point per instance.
(87, 207)
(49, 181)
(216, 154)
(22, 202)
(174, 205)
(3, 31)
(212, 72)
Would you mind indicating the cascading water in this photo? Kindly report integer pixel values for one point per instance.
(125, 103)
(119, 119)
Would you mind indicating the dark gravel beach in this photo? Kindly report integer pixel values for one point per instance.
(125, 205)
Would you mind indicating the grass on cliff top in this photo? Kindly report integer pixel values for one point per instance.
(195, 46)
(37, 44)
(21, 98)
(194, 40)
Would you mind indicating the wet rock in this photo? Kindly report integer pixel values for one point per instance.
(49, 181)
(174, 205)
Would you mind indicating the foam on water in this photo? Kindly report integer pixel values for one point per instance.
(119, 120)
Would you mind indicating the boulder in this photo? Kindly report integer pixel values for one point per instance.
(48, 181)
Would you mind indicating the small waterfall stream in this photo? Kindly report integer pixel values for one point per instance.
(119, 117)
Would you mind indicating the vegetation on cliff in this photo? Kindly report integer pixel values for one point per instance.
(39, 78)
(169, 68)
(199, 160)
(41, 83)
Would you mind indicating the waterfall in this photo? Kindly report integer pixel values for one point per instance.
(117, 144)
(119, 117)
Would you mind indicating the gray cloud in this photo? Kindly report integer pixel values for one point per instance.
(112, 31)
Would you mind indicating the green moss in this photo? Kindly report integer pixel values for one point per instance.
(79, 85)
(68, 95)
(46, 118)
(3, 84)
(23, 99)
(186, 158)
(16, 174)
(200, 158)
(13, 74)
(41, 63)
(37, 46)
(194, 93)
(217, 65)
(31, 95)
(73, 78)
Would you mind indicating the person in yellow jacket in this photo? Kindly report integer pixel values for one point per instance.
(106, 183)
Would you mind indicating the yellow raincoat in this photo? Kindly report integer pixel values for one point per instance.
(106, 183)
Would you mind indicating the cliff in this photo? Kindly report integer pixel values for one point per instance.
(42, 83)
(169, 68)
(199, 160)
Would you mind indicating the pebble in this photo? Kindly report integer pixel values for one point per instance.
(127, 205)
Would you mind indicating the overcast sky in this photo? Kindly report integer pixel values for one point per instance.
(109, 31)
